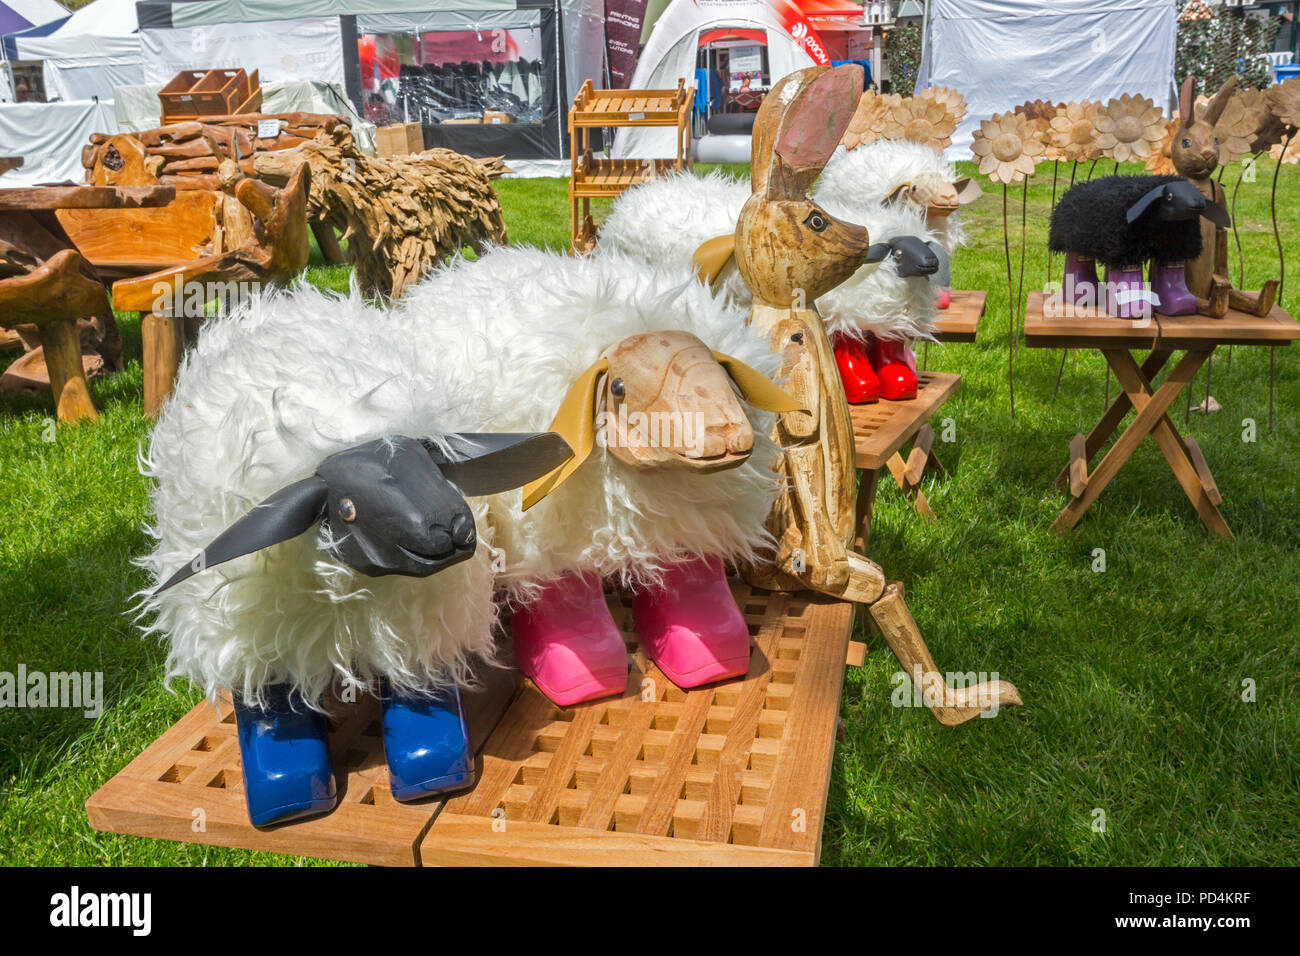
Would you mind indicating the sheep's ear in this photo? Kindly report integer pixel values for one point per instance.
(756, 388)
(1141, 206)
(1217, 214)
(286, 514)
(968, 190)
(1187, 101)
(877, 251)
(713, 255)
(575, 422)
(898, 192)
(487, 464)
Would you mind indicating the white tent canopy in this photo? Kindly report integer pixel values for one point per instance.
(1001, 53)
(671, 52)
(91, 52)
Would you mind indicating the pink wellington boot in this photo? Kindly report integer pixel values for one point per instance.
(566, 642)
(1127, 294)
(691, 626)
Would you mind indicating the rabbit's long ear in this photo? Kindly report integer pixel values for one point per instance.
(575, 422)
(1216, 106)
(487, 464)
(806, 115)
(286, 514)
(1187, 101)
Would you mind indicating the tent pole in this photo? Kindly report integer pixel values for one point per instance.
(925, 42)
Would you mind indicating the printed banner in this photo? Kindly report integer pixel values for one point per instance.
(623, 21)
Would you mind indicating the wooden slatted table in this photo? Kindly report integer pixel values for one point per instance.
(881, 429)
(1050, 325)
(735, 773)
(960, 321)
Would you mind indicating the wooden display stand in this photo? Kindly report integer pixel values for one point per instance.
(203, 93)
(735, 773)
(1196, 336)
(594, 177)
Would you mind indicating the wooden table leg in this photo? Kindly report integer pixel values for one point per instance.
(1184, 456)
(908, 474)
(1102, 431)
(163, 340)
(1150, 414)
(328, 242)
(868, 480)
(62, 345)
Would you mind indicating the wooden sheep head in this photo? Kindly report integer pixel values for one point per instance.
(1195, 145)
(788, 249)
(936, 196)
(661, 400)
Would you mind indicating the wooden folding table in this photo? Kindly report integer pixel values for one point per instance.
(1050, 325)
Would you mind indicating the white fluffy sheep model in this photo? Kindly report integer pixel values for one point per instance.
(295, 415)
(890, 296)
(679, 476)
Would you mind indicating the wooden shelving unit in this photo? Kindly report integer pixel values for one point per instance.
(594, 177)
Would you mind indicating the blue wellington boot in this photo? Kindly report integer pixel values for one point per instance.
(426, 744)
(285, 759)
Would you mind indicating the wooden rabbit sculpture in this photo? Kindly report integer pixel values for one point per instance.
(790, 251)
(1196, 155)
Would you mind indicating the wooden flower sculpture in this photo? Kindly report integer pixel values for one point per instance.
(1161, 163)
(1284, 99)
(1008, 147)
(921, 120)
(950, 99)
(872, 118)
(1073, 131)
(1040, 113)
(1131, 127)
(1243, 127)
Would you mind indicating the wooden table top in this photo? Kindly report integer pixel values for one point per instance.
(960, 321)
(882, 428)
(1088, 328)
(41, 198)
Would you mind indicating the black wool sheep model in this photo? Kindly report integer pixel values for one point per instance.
(1124, 222)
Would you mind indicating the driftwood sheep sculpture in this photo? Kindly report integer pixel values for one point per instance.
(672, 475)
(1124, 222)
(298, 516)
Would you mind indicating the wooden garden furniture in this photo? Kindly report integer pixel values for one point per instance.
(1195, 338)
(45, 282)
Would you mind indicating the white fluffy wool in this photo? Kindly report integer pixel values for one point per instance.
(863, 178)
(666, 220)
(530, 323)
(267, 394)
(876, 298)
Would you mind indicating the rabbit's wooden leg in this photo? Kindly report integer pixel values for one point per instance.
(1256, 303)
(950, 705)
(1215, 304)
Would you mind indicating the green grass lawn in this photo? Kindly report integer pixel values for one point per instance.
(1132, 677)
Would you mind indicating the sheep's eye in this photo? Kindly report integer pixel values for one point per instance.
(347, 510)
(898, 253)
(816, 222)
(797, 338)
(1187, 144)
(617, 388)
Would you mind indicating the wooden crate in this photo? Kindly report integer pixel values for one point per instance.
(736, 773)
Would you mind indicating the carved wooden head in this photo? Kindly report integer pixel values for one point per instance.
(1194, 148)
(662, 400)
(788, 249)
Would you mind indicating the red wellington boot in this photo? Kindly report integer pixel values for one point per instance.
(889, 357)
(861, 386)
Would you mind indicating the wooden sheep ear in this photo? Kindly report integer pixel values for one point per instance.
(286, 514)
(713, 255)
(575, 422)
(806, 115)
(968, 190)
(897, 192)
(1216, 106)
(1187, 101)
(1141, 206)
(488, 464)
(756, 388)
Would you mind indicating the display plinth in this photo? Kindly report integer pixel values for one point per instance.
(734, 773)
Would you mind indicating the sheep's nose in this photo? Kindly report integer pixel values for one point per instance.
(462, 530)
(439, 541)
(733, 438)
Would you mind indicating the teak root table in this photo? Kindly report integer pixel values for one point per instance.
(734, 773)
(1048, 324)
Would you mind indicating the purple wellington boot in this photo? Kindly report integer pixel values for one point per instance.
(1169, 282)
(1080, 283)
(1127, 294)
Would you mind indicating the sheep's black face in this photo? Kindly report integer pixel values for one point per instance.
(909, 256)
(391, 510)
(1180, 201)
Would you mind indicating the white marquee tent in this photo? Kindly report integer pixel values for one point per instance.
(88, 54)
(1001, 53)
(671, 51)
